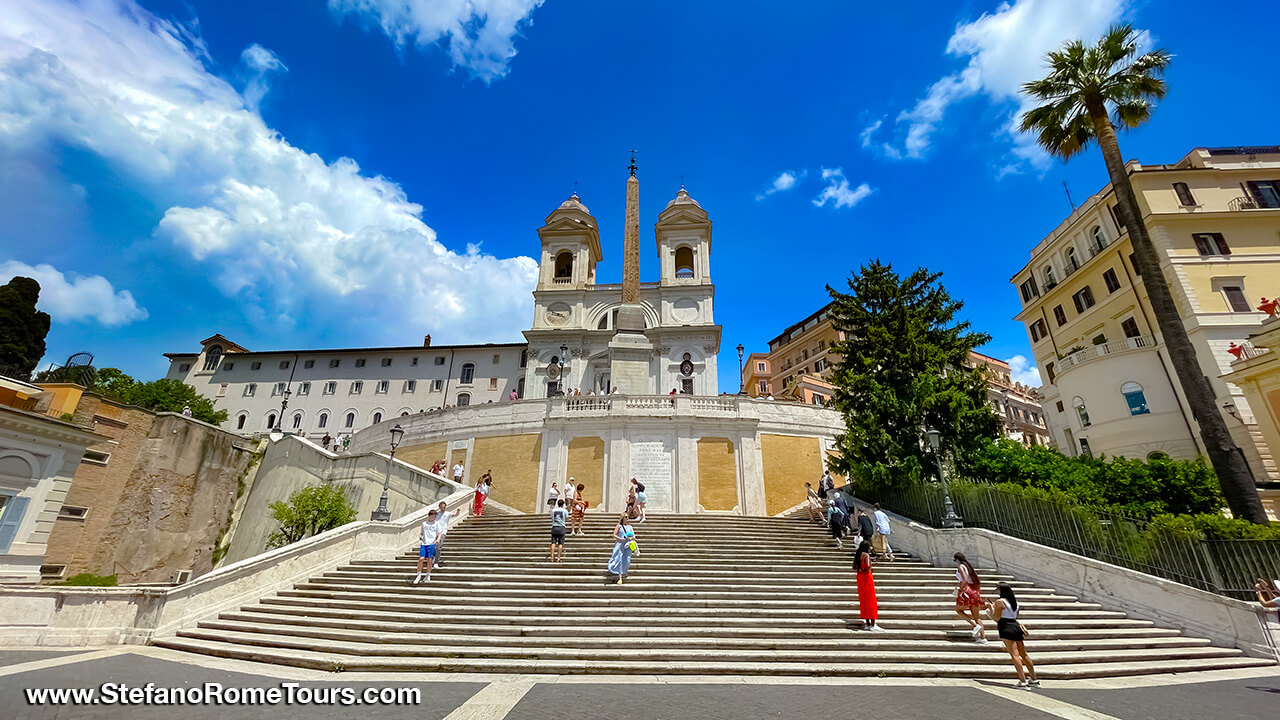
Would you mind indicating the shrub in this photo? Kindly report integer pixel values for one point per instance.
(90, 580)
(310, 511)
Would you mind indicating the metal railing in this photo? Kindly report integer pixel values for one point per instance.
(1225, 567)
(1242, 203)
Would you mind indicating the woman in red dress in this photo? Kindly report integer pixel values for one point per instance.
(969, 597)
(868, 606)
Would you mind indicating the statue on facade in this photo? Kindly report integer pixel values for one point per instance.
(1237, 351)
(1270, 307)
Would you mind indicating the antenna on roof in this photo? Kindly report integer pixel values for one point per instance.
(1068, 190)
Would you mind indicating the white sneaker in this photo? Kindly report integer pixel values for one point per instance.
(1024, 685)
(977, 630)
(426, 578)
(1033, 683)
(877, 628)
(983, 641)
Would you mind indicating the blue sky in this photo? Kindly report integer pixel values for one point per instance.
(303, 173)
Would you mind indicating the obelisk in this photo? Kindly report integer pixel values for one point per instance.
(630, 352)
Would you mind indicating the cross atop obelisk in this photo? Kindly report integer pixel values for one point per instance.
(631, 240)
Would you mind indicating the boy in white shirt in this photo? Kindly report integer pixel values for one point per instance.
(442, 521)
(428, 536)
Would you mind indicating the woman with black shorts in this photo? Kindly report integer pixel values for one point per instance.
(1012, 633)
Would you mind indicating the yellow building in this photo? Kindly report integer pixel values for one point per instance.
(756, 373)
(801, 359)
(1021, 417)
(1109, 387)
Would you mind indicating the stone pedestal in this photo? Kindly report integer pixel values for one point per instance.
(630, 353)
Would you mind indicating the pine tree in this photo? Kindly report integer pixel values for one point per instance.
(22, 327)
(904, 368)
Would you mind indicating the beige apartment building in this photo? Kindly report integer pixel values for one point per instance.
(1021, 416)
(1109, 386)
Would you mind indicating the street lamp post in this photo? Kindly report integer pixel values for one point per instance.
(949, 517)
(741, 379)
(564, 350)
(382, 514)
(284, 405)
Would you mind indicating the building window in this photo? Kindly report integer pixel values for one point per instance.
(330, 387)
(95, 457)
(184, 367)
(409, 386)
(1210, 244)
(437, 385)
(359, 362)
(334, 363)
(524, 358)
(255, 366)
(1073, 263)
(1049, 280)
(1029, 290)
(1099, 339)
(240, 422)
(322, 420)
(228, 365)
(1112, 282)
(520, 388)
(1099, 239)
(222, 389)
(759, 367)
(386, 362)
(564, 266)
(297, 420)
(1130, 328)
(1050, 371)
(468, 374)
(819, 365)
(377, 418)
(439, 359)
(271, 420)
(251, 389)
(308, 364)
(1081, 411)
(304, 388)
(684, 262)
(1059, 315)
(686, 386)
(497, 359)
(52, 572)
(1135, 398)
(350, 420)
(1184, 194)
(493, 383)
(1084, 448)
(277, 389)
(383, 387)
(1038, 331)
(1266, 193)
(284, 364)
(1083, 299)
(1059, 406)
(414, 361)
(464, 399)
(1236, 300)
(357, 387)
(212, 356)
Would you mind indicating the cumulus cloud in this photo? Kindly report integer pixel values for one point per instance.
(261, 63)
(1022, 370)
(838, 191)
(76, 297)
(479, 34)
(1003, 49)
(785, 181)
(281, 231)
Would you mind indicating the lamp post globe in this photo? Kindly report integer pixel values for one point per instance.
(382, 514)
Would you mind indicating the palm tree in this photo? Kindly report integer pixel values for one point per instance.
(1082, 85)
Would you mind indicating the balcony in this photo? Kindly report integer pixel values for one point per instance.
(1250, 352)
(562, 280)
(1079, 357)
(1242, 203)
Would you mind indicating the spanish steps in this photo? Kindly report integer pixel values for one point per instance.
(707, 595)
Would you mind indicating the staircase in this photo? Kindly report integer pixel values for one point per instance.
(707, 595)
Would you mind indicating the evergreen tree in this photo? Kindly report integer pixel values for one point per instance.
(22, 327)
(904, 369)
(164, 395)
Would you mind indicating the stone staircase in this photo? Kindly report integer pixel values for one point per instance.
(707, 595)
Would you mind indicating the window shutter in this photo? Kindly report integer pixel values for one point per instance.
(1251, 189)
(1184, 193)
(1202, 246)
(1079, 305)
(14, 510)
(1115, 219)
(1223, 249)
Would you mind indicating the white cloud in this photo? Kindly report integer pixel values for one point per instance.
(480, 34)
(261, 62)
(838, 191)
(281, 231)
(785, 181)
(76, 297)
(1004, 49)
(868, 133)
(1021, 370)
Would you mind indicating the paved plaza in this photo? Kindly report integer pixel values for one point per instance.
(1221, 694)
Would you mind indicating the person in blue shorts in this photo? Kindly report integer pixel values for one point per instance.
(427, 538)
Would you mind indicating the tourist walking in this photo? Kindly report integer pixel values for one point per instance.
(825, 485)
(457, 472)
(559, 521)
(442, 521)
(844, 508)
(865, 529)
(812, 503)
(579, 512)
(483, 487)
(880, 541)
(624, 545)
(1267, 595)
(836, 522)
(868, 605)
(553, 497)
(969, 596)
(428, 535)
(326, 441)
(642, 500)
(1012, 634)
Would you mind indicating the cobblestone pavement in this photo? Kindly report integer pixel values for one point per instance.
(1246, 694)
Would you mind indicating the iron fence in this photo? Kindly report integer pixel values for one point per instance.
(1226, 567)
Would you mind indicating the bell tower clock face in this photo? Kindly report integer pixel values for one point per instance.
(557, 314)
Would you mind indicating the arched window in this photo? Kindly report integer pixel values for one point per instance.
(1135, 398)
(1099, 239)
(1078, 404)
(297, 421)
(524, 358)
(564, 266)
(684, 262)
(604, 323)
(271, 420)
(1072, 263)
(1049, 279)
(212, 357)
(377, 418)
(464, 399)
(404, 414)
(324, 420)
(351, 420)
(240, 422)
(468, 374)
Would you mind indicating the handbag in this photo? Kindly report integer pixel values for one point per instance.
(1023, 629)
(633, 547)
